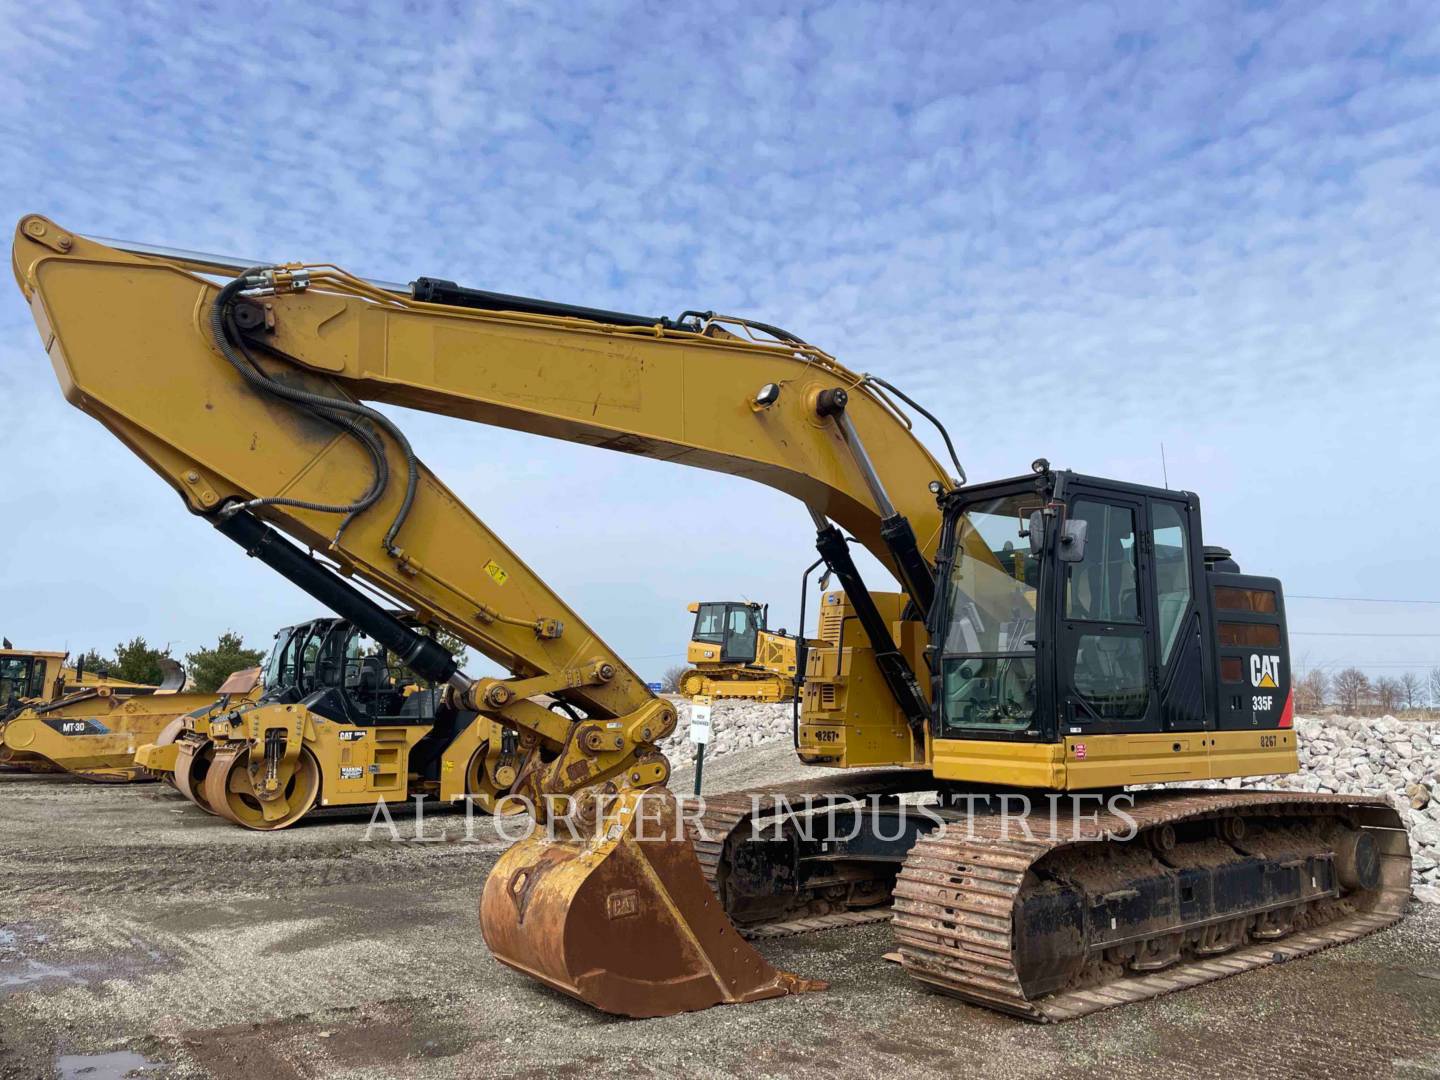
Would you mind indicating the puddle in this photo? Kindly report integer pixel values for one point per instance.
(32, 973)
(117, 1065)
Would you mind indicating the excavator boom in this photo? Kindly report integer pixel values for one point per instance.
(246, 398)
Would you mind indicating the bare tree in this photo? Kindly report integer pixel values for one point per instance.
(1387, 693)
(1352, 689)
(1412, 690)
(1310, 690)
(1435, 687)
(670, 681)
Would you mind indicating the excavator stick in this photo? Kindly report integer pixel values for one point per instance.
(624, 921)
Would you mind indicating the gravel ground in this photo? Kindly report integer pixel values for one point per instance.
(138, 934)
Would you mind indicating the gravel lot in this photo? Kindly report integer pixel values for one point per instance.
(138, 934)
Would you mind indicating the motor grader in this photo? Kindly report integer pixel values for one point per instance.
(1056, 637)
(89, 725)
(735, 655)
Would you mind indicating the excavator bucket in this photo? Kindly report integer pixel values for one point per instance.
(625, 922)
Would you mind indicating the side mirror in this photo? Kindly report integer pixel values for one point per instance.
(1072, 540)
(1037, 530)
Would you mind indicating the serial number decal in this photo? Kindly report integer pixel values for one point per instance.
(1267, 742)
(827, 735)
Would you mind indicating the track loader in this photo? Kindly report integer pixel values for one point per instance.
(736, 656)
(1056, 638)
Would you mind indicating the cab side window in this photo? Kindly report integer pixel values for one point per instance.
(1172, 573)
(37, 678)
(742, 630)
(1101, 587)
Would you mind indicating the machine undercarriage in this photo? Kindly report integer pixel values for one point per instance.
(1056, 907)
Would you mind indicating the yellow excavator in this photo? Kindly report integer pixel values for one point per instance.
(1057, 637)
(735, 655)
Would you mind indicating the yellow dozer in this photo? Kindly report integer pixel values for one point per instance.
(1057, 638)
(734, 655)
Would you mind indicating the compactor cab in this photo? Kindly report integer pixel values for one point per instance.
(338, 673)
(1077, 612)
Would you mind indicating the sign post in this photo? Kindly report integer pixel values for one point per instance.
(700, 706)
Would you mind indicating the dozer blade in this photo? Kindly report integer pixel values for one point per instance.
(626, 922)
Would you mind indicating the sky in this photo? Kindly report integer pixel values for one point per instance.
(1082, 231)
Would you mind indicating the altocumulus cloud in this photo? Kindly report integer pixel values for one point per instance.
(1076, 230)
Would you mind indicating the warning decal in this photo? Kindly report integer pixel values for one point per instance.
(494, 570)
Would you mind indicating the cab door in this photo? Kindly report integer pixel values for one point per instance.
(740, 635)
(1105, 647)
(1181, 678)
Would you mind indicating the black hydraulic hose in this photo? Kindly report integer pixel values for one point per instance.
(230, 343)
(380, 477)
(950, 446)
(802, 655)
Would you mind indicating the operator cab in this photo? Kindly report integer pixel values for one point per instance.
(341, 674)
(732, 628)
(21, 676)
(1071, 605)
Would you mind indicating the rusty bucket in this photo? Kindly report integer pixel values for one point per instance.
(624, 922)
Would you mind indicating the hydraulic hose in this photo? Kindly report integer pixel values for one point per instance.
(342, 412)
(950, 446)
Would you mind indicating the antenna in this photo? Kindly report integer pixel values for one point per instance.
(1164, 471)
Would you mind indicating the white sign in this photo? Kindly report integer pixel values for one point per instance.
(700, 720)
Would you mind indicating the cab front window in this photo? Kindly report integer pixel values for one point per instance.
(14, 678)
(987, 663)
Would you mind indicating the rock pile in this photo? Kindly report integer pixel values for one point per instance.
(734, 725)
(1357, 755)
(1375, 756)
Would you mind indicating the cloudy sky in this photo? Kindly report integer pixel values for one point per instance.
(1077, 230)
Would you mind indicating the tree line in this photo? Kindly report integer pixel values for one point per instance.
(137, 660)
(1354, 692)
